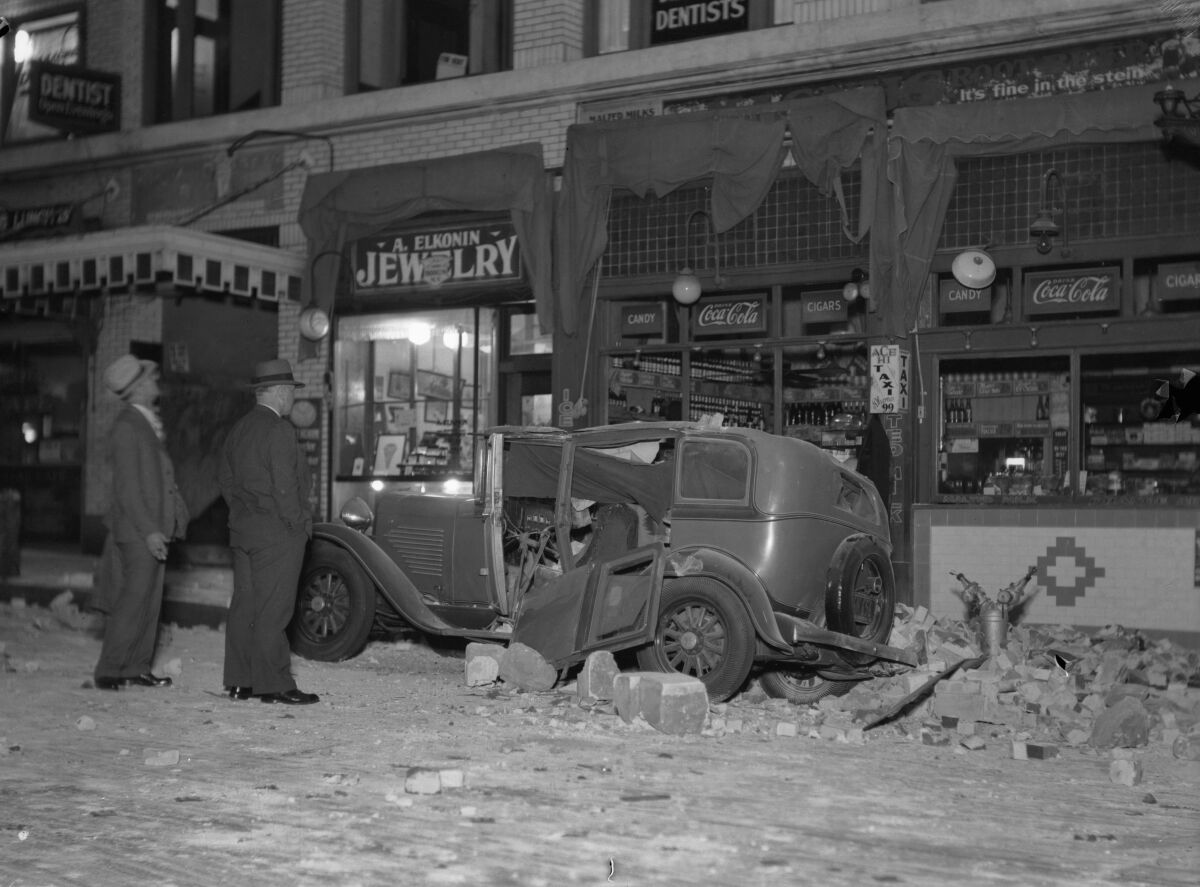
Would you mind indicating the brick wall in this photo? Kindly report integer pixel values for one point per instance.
(313, 50)
(546, 32)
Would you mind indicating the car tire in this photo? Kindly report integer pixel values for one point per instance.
(335, 606)
(800, 688)
(704, 631)
(860, 593)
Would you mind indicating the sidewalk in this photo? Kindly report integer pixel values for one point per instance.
(193, 594)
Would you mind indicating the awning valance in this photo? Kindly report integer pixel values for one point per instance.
(141, 257)
(925, 142)
(339, 207)
(739, 152)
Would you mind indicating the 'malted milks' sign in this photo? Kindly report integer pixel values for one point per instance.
(1082, 291)
(431, 258)
(730, 316)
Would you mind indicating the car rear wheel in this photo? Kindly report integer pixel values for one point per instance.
(800, 688)
(703, 631)
(335, 606)
(860, 593)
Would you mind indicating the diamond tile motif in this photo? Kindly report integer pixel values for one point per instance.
(1067, 572)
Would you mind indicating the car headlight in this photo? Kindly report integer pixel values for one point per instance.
(356, 514)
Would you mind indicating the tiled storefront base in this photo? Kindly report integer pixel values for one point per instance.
(1135, 567)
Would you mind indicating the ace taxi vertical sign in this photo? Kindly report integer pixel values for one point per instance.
(889, 379)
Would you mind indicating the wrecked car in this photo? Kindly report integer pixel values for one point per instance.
(704, 550)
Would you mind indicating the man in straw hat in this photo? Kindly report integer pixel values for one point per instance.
(147, 512)
(265, 479)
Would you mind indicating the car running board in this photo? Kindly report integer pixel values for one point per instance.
(801, 631)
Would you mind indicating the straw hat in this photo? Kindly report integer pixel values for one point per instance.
(274, 372)
(124, 372)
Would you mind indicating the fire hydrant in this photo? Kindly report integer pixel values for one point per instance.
(993, 614)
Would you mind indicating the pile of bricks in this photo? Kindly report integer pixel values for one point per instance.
(1048, 687)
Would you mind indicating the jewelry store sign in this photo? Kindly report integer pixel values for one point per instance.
(1084, 291)
(889, 379)
(437, 257)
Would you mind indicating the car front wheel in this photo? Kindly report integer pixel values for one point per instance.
(703, 631)
(335, 606)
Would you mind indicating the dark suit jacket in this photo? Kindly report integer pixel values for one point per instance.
(144, 495)
(265, 479)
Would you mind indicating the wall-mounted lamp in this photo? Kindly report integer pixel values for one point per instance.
(314, 323)
(1181, 116)
(858, 287)
(687, 289)
(974, 269)
(967, 340)
(1033, 339)
(821, 352)
(1044, 228)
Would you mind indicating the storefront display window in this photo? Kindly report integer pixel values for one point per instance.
(412, 391)
(1004, 428)
(1129, 448)
(825, 395)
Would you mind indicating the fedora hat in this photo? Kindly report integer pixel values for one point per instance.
(274, 372)
(123, 373)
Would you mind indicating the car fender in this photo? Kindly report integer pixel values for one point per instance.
(700, 561)
(389, 580)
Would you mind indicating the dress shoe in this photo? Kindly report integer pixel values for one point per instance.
(108, 683)
(148, 680)
(290, 697)
(240, 693)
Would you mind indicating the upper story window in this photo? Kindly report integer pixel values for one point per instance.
(618, 25)
(210, 57)
(399, 42)
(55, 39)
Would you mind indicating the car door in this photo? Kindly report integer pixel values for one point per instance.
(608, 605)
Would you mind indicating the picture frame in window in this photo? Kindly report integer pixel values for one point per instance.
(436, 386)
(437, 412)
(390, 450)
(399, 386)
(378, 390)
(400, 418)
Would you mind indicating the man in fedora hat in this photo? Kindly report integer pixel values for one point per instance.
(265, 479)
(146, 512)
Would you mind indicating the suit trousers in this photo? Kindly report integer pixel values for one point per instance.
(265, 580)
(134, 605)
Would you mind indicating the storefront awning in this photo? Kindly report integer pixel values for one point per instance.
(739, 152)
(339, 207)
(127, 259)
(925, 141)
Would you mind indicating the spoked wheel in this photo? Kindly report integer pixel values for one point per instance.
(860, 593)
(703, 631)
(802, 688)
(335, 606)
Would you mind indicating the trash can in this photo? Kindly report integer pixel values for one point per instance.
(10, 532)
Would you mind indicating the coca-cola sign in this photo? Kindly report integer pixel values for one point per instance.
(1082, 291)
(730, 316)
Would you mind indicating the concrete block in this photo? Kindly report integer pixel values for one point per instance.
(1123, 725)
(625, 695)
(673, 703)
(597, 676)
(422, 781)
(526, 668)
(1125, 772)
(483, 663)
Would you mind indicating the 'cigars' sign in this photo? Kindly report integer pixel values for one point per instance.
(430, 258)
(730, 316)
(1083, 291)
